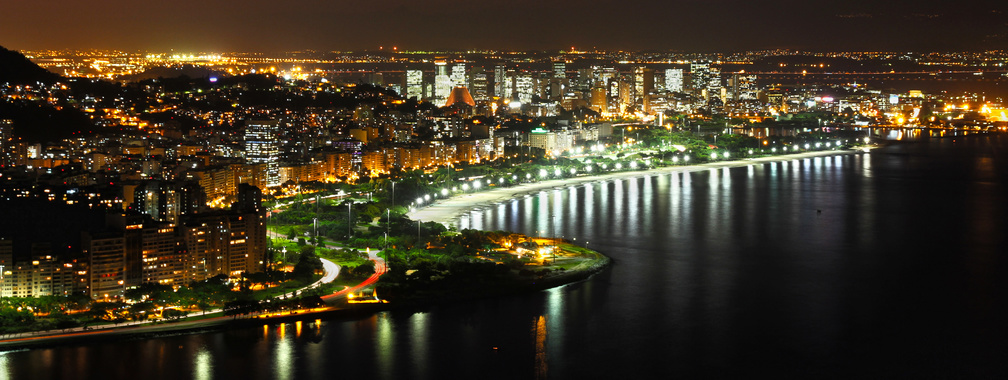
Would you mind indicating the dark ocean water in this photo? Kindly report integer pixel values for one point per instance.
(889, 263)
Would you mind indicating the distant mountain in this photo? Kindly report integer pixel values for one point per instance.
(16, 69)
(36, 121)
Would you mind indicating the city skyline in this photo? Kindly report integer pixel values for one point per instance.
(521, 25)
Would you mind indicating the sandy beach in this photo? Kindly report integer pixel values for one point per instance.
(448, 211)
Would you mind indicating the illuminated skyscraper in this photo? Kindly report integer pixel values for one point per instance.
(643, 82)
(560, 70)
(599, 100)
(743, 86)
(480, 90)
(714, 88)
(501, 84)
(6, 142)
(458, 75)
(442, 82)
(525, 87)
(262, 147)
(414, 84)
(700, 77)
(674, 80)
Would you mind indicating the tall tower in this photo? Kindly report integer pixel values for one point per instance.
(643, 82)
(442, 82)
(674, 80)
(414, 84)
(560, 70)
(501, 85)
(262, 147)
(6, 141)
(458, 75)
(700, 75)
(714, 84)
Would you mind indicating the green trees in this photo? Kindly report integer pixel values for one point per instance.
(308, 263)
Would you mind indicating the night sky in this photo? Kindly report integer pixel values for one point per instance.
(690, 25)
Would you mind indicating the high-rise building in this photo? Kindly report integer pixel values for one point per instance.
(163, 263)
(501, 85)
(599, 100)
(714, 87)
(7, 156)
(480, 87)
(643, 82)
(442, 81)
(262, 147)
(674, 80)
(743, 86)
(158, 199)
(414, 84)
(525, 87)
(106, 253)
(458, 75)
(700, 77)
(560, 70)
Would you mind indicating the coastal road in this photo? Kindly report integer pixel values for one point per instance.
(381, 267)
(331, 271)
(448, 211)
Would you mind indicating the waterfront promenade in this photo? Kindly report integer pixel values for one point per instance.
(448, 211)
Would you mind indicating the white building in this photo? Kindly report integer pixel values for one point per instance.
(262, 147)
(414, 84)
(674, 80)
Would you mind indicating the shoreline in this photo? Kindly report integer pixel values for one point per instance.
(449, 211)
(217, 323)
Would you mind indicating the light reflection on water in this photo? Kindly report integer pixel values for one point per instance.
(203, 364)
(4, 370)
(718, 273)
